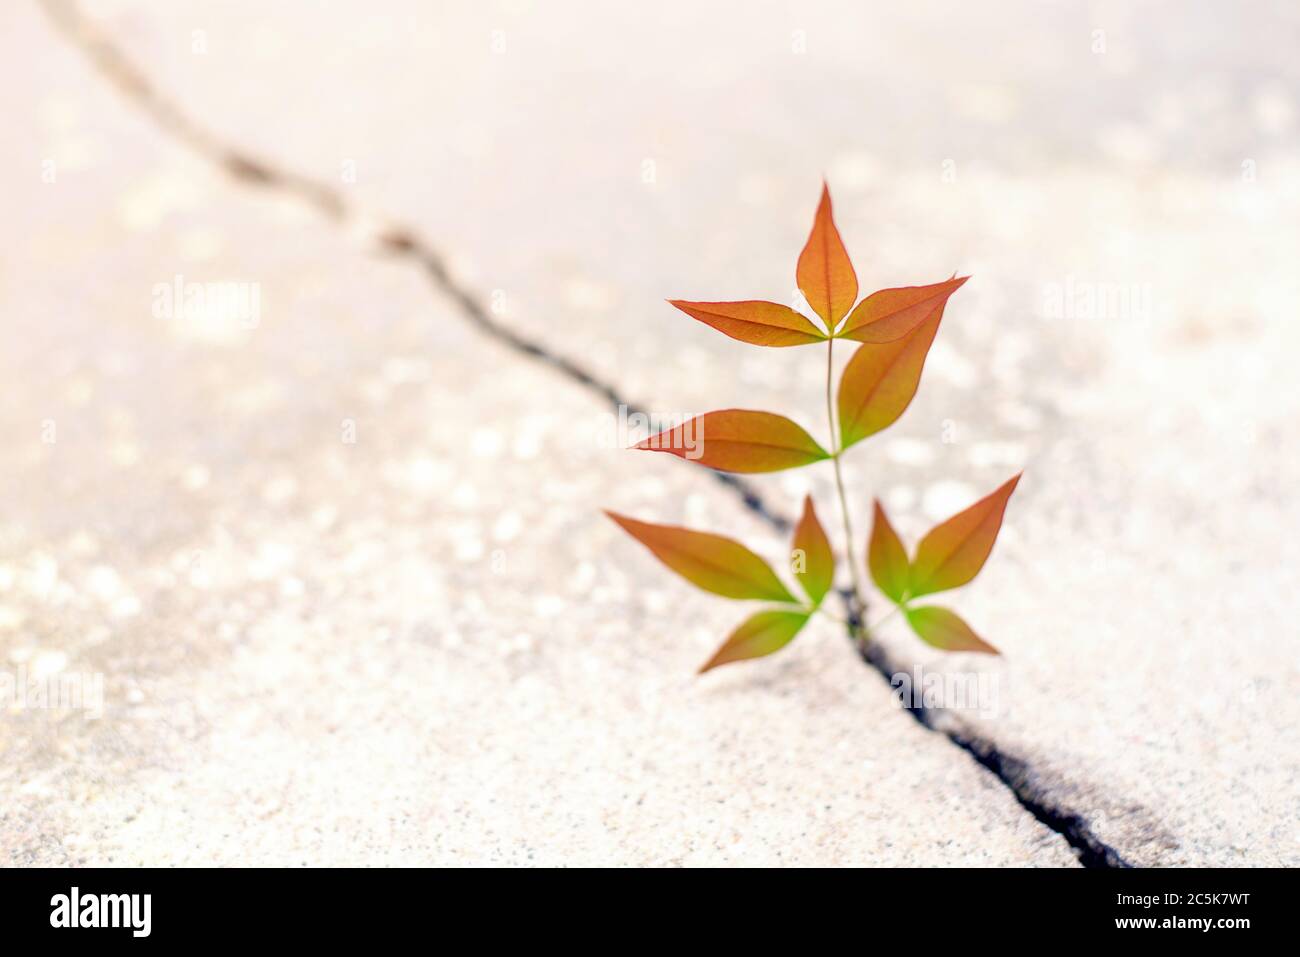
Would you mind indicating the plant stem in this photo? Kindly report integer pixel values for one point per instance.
(856, 623)
(833, 617)
(880, 621)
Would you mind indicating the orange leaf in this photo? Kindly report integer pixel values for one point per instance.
(711, 562)
(890, 314)
(886, 557)
(953, 552)
(880, 380)
(945, 629)
(737, 440)
(824, 273)
(762, 323)
(758, 635)
(814, 563)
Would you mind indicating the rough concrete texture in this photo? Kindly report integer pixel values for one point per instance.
(427, 646)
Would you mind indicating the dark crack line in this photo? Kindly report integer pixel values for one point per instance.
(406, 242)
(397, 240)
(1014, 773)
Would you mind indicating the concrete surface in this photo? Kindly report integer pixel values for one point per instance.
(427, 647)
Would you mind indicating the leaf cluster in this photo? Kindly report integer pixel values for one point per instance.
(893, 330)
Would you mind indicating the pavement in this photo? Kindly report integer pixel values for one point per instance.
(340, 566)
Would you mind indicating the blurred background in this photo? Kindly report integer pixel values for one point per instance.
(335, 558)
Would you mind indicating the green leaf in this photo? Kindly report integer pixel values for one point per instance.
(887, 558)
(754, 321)
(945, 629)
(812, 558)
(954, 551)
(824, 273)
(758, 635)
(714, 563)
(739, 440)
(880, 380)
(890, 314)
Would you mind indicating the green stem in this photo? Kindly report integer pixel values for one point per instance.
(896, 609)
(861, 633)
(833, 617)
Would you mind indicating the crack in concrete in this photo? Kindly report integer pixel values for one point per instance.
(1029, 786)
(398, 240)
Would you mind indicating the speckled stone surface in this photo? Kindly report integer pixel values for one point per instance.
(343, 572)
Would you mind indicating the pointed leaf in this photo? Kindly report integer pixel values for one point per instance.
(880, 380)
(945, 629)
(890, 314)
(758, 635)
(762, 323)
(814, 563)
(824, 273)
(711, 562)
(887, 558)
(738, 440)
(953, 552)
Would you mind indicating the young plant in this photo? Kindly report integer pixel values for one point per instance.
(894, 329)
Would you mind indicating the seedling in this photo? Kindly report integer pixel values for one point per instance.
(894, 329)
